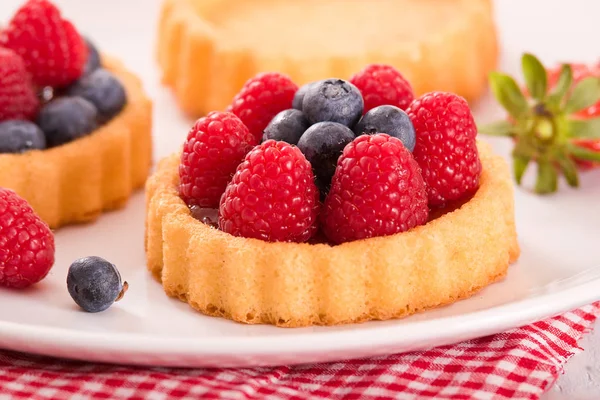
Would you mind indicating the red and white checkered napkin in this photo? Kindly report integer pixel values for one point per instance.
(519, 364)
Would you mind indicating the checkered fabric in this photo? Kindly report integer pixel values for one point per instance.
(518, 364)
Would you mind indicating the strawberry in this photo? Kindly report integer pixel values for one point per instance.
(377, 190)
(17, 96)
(555, 123)
(54, 52)
(26, 243)
(272, 196)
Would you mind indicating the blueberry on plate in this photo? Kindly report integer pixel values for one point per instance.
(287, 126)
(66, 119)
(95, 284)
(388, 119)
(333, 100)
(93, 60)
(18, 136)
(322, 145)
(103, 90)
(299, 96)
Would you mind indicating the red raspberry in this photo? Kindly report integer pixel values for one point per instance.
(53, 50)
(377, 190)
(272, 196)
(17, 97)
(215, 146)
(26, 243)
(383, 85)
(446, 147)
(261, 98)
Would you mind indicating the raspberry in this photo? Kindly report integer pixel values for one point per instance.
(272, 196)
(383, 85)
(377, 190)
(446, 147)
(215, 146)
(26, 243)
(17, 97)
(261, 99)
(54, 52)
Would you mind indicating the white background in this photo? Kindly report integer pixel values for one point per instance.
(555, 30)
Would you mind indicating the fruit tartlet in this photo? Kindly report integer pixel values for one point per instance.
(320, 205)
(75, 125)
(208, 49)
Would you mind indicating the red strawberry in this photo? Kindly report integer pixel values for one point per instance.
(272, 196)
(215, 146)
(383, 85)
(377, 190)
(554, 121)
(261, 99)
(53, 50)
(446, 148)
(17, 96)
(26, 243)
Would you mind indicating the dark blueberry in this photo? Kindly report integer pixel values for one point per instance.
(390, 120)
(322, 144)
(299, 96)
(94, 284)
(66, 119)
(287, 126)
(19, 136)
(103, 90)
(333, 100)
(93, 61)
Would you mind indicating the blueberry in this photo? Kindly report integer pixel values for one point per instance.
(287, 126)
(94, 284)
(390, 120)
(67, 118)
(93, 61)
(322, 145)
(299, 96)
(333, 100)
(103, 90)
(18, 136)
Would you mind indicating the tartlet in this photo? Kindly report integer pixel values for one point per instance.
(298, 284)
(77, 181)
(208, 49)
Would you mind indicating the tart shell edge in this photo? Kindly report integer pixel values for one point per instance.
(205, 76)
(76, 182)
(293, 285)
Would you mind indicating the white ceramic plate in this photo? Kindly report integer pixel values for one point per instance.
(559, 268)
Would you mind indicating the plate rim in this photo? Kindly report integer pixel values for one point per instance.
(480, 323)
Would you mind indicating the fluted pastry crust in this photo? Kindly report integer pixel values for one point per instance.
(205, 57)
(289, 284)
(75, 182)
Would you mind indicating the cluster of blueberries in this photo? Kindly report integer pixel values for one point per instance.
(70, 113)
(326, 116)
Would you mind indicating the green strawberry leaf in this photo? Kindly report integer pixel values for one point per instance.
(569, 170)
(520, 164)
(498, 128)
(536, 78)
(582, 153)
(585, 94)
(565, 79)
(509, 95)
(547, 179)
(584, 128)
